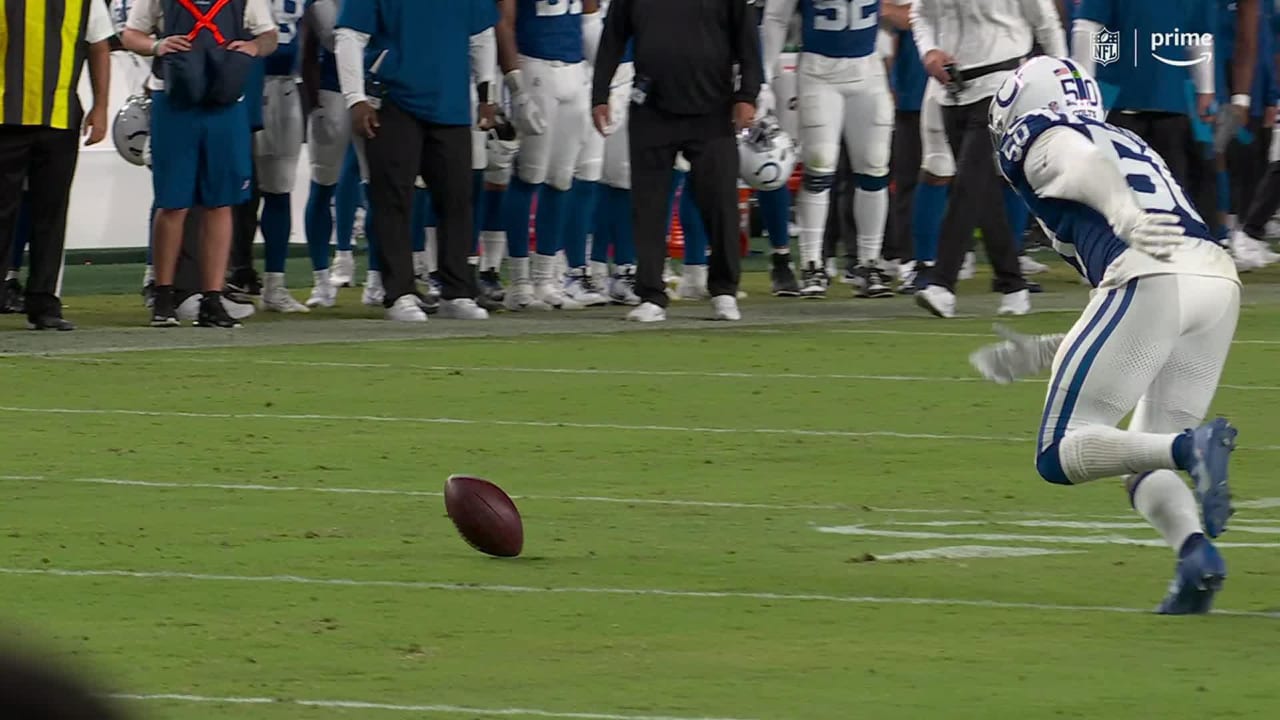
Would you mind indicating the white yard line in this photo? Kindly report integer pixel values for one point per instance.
(970, 552)
(872, 531)
(394, 707)
(772, 597)
(988, 335)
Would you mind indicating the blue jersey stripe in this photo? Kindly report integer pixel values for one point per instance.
(1066, 365)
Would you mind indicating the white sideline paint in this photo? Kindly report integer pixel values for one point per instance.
(1001, 537)
(539, 424)
(988, 335)
(1259, 504)
(612, 372)
(1241, 526)
(427, 709)
(626, 592)
(970, 552)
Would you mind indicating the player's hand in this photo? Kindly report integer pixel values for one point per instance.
(602, 118)
(1016, 357)
(744, 116)
(1205, 107)
(527, 116)
(95, 125)
(935, 63)
(173, 44)
(1157, 234)
(766, 102)
(487, 114)
(248, 47)
(364, 120)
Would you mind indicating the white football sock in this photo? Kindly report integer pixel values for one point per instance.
(1098, 451)
(1168, 504)
(493, 246)
(433, 251)
(519, 269)
(870, 213)
(812, 208)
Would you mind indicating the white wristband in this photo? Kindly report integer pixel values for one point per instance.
(513, 81)
(1241, 100)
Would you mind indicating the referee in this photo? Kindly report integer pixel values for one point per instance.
(685, 100)
(45, 44)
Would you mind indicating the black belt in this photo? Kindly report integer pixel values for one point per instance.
(960, 79)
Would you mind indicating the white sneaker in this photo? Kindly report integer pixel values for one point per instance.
(238, 310)
(188, 310)
(647, 312)
(726, 307)
(323, 292)
(551, 294)
(937, 300)
(373, 294)
(406, 309)
(582, 288)
(1030, 267)
(969, 267)
(1015, 303)
(276, 297)
(462, 309)
(693, 283)
(342, 272)
(1263, 251)
(519, 296)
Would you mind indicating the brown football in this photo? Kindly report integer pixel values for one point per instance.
(484, 515)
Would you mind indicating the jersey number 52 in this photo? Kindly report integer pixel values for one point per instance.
(552, 8)
(842, 15)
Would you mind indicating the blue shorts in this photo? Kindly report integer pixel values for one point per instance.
(201, 156)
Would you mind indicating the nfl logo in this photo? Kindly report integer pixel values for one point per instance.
(1106, 47)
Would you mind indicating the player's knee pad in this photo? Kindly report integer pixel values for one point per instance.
(532, 174)
(277, 175)
(500, 176)
(940, 165)
(818, 183)
(1049, 465)
(871, 182)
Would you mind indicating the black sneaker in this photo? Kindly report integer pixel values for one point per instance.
(49, 321)
(214, 314)
(814, 281)
(163, 308)
(245, 282)
(872, 282)
(782, 277)
(12, 299)
(491, 286)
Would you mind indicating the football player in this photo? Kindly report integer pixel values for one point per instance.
(548, 81)
(328, 137)
(275, 150)
(1157, 329)
(843, 90)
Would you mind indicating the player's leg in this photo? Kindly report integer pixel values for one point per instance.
(713, 187)
(499, 157)
(394, 158)
(327, 143)
(775, 213)
(614, 213)
(446, 166)
(904, 167)
(568, 124)
(175, 135)
(582, 285)
(821, 123)
(937, 167)
(693, 273)
(868, 133)
(224, 179)
(348, 197)
(276, 149)
(13, 301)
(532, 165)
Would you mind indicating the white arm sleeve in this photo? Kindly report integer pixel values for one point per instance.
(349, 47)
(773, 31)
(1202, 73)
(484, 58)
(1043, 16)
(1064, 164)
(592, 28)
(922, 26)
(1083, 33)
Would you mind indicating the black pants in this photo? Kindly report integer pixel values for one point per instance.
(244, 226)
(904, 168)
(1266, 200)
(186, 278)
(404, 148)
(708, 144)
(842, 228)
(1247, 164)
(46, 159)
(976, 200)
(1169, 134)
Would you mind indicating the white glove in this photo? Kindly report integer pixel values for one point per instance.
(766, 103)
(1157, 234)
(525, 113)
(1018, 356)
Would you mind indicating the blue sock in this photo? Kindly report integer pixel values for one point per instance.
(926, 219)
(624, 241)
(349, 196)
(1224, 202)
(605, 235)
(480, 200)
(581, 222)
(151, 230)
(695, 233)
(319, 224)
(374, 263)
(423, 218)
(1015, 211)
(276, 224)
(492, 220)
(517, 202)
(553, 219)
(775, 211)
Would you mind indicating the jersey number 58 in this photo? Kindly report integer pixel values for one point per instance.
(842, 15)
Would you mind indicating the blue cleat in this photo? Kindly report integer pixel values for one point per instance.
(1198, 577)
(1212, 444)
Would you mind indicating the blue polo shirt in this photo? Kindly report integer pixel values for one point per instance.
(1141, 81)
(427, 70)
(907, 74)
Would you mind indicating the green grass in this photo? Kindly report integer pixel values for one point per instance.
(723, 470)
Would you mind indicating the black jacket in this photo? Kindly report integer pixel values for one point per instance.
(685, 53)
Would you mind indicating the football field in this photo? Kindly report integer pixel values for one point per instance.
(820, 513)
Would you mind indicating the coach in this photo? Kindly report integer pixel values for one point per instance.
(45, 43)
(684, 100)
(416, 116)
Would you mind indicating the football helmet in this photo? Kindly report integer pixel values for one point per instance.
(766, 155)
(131, 129)
(1044, 83)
